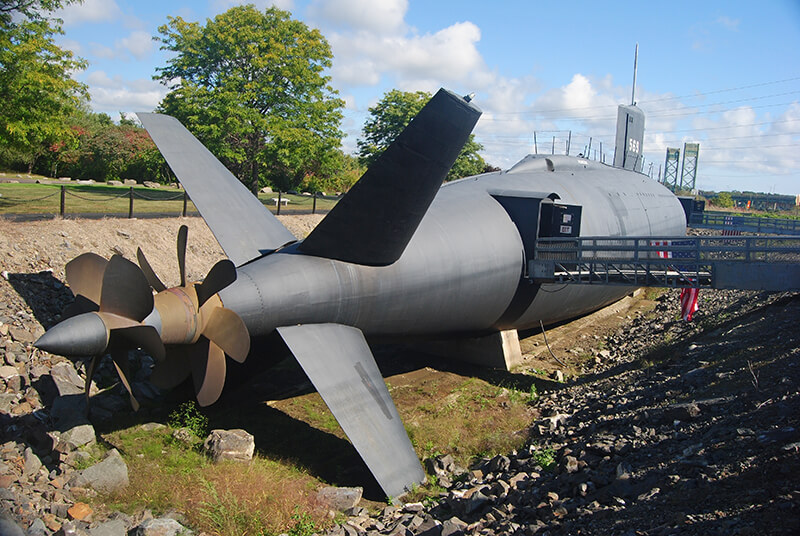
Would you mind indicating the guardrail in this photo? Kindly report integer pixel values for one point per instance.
(747, 262)
(747, 224)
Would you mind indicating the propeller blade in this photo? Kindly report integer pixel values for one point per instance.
(81, 305)
(90, 374)
(125, 290)
(85, 275)
(174, 370)
(182, 234)
(148, 272)
(227, 330)
(113, 321)
(220, 276)
(144, 337)
(120, 359)
(208, 374)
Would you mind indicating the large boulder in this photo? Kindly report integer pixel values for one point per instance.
(67, 380)
(162, 526)
(341, 499)
(235, 445)
(107, 476)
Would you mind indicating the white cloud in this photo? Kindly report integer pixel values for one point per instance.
(139, 44)
(374, 16)
(114, 94)
(89, 11)
(729, 23)
(415, 62)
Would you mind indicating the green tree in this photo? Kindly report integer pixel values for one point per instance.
(251, 85)
(30, 9)
(723, 200)
(389, 117)
(37, 91)
(101, 150)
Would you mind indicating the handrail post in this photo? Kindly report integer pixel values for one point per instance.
(63, 200)
(185, 197)
(130, 203)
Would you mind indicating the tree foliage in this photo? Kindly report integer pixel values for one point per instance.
(250, 85)
(104, 151)
(37, 91)
(30, 9)
(389, 117)
(723, 200)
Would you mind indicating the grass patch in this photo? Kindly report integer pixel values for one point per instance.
(464, 417)
(546, 458)
(262, 497)
(32, 198)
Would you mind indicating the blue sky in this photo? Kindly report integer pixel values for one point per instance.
(724, 74)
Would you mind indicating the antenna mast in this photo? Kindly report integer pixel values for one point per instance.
(635, 62)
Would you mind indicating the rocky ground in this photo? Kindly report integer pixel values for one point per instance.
(672, 428)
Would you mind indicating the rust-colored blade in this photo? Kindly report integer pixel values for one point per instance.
(113, 321)
(125, 290)
(121, 364)
(81, 305)
(209, 373)
(85, 275)
(227, 330)
(90, 374)
(148, 272)
(182, 234)
(175, 368)
(144, 337)
(220, 276)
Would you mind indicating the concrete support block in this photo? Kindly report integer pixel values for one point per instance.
(499, 350)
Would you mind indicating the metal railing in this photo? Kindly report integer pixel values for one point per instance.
(691, 261)
(747, 224)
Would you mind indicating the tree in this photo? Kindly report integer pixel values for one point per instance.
(101, 150)
(37, 91)
(723, 200)
(251, 86)
(390, 116)
(30, 9)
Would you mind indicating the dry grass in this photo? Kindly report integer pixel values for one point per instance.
(262, 497)
(443, 412)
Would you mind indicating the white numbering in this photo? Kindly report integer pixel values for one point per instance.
(633, 145)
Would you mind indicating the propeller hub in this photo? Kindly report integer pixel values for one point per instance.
(78, 336)
(179, 312)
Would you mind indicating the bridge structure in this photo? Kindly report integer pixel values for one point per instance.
(770, 263)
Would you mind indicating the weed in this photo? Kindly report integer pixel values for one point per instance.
(533, 393)
(546, 458)
(188, 416)
(303, 524)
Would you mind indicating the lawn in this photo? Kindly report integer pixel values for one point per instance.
(32, 198)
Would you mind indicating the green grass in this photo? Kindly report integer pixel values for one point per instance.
(31, 198)
(263, 497)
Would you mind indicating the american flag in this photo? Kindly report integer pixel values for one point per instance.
(670, 254)
(728, 221)
(689, 302)
(688, 297)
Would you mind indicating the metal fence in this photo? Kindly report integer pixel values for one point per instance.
(754, 262)
(746, 224)
(141, 203)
